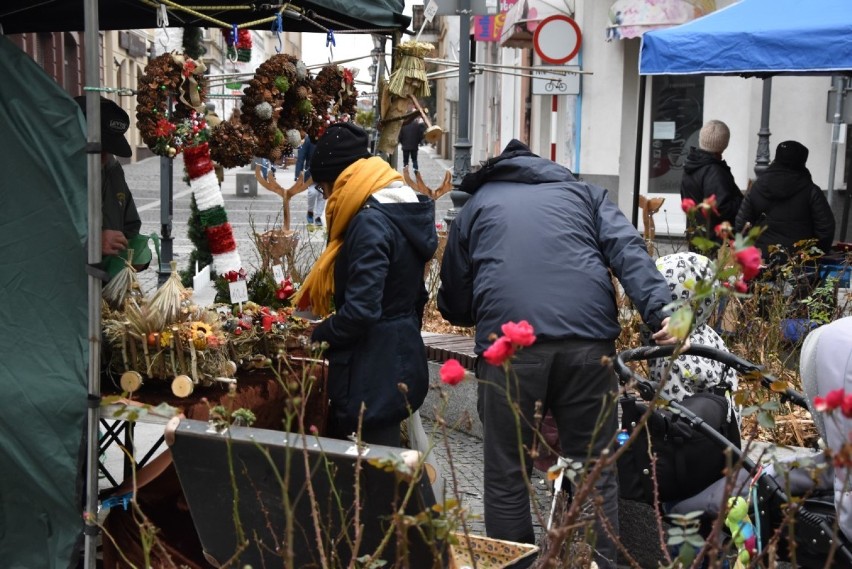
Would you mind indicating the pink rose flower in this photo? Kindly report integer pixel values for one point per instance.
(520, 334)
(499, 352)
(687, 205)
(452, 372)
(749, 261)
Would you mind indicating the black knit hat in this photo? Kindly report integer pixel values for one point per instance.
(342, 144)
(114, 123)
(791, 154)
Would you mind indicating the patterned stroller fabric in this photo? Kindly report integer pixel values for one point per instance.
(691, 374)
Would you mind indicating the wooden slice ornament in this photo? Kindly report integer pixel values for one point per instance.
(182, 386)
(130, 381)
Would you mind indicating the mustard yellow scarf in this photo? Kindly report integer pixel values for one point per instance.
(351, 190)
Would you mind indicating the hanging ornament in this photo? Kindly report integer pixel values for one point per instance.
(211, 207)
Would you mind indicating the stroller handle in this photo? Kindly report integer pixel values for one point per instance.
(647, 388)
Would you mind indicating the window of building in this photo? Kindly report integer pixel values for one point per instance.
(677, 108)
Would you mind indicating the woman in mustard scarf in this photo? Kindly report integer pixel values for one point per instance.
(381, 234)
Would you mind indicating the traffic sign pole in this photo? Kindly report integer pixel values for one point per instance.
(554, 122)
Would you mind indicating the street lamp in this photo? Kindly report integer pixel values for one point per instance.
(377, 71)
(462, 146)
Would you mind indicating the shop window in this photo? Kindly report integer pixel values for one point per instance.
(677, 108)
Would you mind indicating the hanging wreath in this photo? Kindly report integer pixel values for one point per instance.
(276, 100)
(176, 80)
(239, 48)
(232, 145)
(334, 94)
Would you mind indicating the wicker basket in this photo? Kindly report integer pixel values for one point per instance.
(487, 552)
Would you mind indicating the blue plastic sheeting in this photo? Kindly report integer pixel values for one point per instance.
(755, 37)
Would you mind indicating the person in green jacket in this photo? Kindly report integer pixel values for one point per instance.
(120, 219)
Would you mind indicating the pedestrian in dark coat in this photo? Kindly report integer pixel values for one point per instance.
(533, 243)
(786, 202)
(381, 234)
(706, 174)
(410, 138)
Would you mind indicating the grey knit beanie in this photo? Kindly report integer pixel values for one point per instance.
(714, 137)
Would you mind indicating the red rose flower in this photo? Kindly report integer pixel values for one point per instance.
(846, 406)
(499, 352)
(749, 261)
(831, 401)
(452, 372)
(687, 205)
(520, 334)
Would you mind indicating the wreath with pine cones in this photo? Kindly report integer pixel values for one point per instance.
(232, 145)
(276, 103)
(177, 80)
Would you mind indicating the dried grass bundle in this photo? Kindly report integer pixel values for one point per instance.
(168, 300)
(122, 285)
(409, 76)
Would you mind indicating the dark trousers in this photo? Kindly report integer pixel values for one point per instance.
(568, 378)
(406, 154)
(389, 435)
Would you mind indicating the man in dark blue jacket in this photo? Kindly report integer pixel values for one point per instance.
(535, 244)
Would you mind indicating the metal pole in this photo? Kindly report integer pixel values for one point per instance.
(761, 161)
(462, 146)
(166, 211)
(839, 84)
(637, 165)
(93, 159)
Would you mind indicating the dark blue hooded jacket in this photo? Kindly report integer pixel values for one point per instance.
(379, 294)
(535, 244)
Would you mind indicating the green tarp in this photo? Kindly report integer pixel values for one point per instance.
(43, 317)
(301, 16)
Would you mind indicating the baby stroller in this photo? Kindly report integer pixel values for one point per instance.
(814, 527)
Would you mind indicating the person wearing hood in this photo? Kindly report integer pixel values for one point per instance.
(706, 174)
(787, 204)
(535, 244)
(381, 234)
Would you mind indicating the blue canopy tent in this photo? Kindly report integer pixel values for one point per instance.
(756, 38)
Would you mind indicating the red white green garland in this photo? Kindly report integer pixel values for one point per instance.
(211, 207)
(181, 79)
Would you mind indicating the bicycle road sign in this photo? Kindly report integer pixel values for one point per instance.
(549, 83)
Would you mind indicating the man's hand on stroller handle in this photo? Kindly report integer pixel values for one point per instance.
(664, 338)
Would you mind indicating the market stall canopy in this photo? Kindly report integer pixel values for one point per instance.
(632, 18)
(755, 37)
(369, 16)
